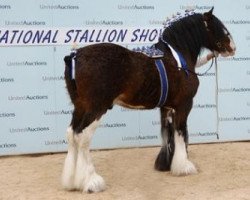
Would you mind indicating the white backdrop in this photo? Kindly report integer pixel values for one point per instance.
(35, 36)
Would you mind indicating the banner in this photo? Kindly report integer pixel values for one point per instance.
(80, 36)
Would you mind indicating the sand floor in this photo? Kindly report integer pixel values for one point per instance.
(224, 173)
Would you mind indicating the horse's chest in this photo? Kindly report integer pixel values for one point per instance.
(187, 88)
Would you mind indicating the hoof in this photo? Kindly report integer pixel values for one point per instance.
(94, 184)
(187, 168)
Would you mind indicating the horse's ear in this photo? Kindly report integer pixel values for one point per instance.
(208, 15)
(211, 11)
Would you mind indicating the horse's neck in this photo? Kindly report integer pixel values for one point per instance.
(191, 60)
(162, 46)
(191, 57)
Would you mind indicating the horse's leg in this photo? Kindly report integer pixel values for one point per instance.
(180, 163)
(86, 177)
(164, 158)
(79, 171)
(68, 175)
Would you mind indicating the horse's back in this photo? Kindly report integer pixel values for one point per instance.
(103, 52)
(102, 64)
(101, 58)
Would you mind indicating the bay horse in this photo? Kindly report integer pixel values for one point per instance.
(108, 74)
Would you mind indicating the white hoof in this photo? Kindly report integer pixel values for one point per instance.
(94, 183)
(185, 168)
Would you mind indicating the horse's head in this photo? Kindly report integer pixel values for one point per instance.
(219, 38)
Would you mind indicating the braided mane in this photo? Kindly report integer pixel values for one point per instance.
(187, 35)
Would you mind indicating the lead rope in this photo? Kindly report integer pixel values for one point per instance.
(217, 99)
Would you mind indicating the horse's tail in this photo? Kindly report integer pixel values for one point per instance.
(70, 81)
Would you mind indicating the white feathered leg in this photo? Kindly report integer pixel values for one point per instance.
(68, 174)
(180, 163)
(85, 177)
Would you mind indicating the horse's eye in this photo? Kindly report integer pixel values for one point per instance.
(218, 44)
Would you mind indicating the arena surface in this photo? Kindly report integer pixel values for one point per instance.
(224, 173)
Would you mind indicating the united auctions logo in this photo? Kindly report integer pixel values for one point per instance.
(203, 134)
(28, 97)
(5, 7)
(53, 78)
(156, 22)
(140, 137)
(6, 80)
(242, 118)
(113, 125)
(104, 22)
(25, 23)
(225, 90)
(136, 7)
(208, 74)
(236, 59)
(59, 112)
(204, 106)
(6, 145)
(29, 129)
(195, 7)
(7, 115)
(27, 63)
(59, 7)
(55, 142)
(236, 22)
(156, 123)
